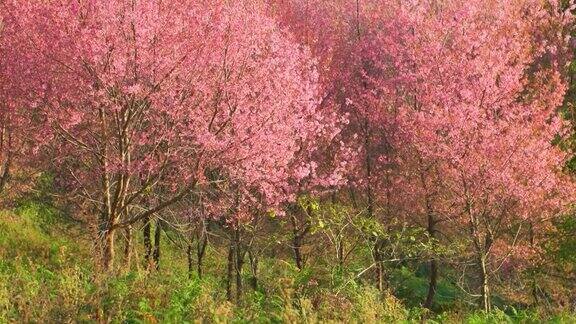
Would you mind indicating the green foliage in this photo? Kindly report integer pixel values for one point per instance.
(564, 246)
(47, 276)
(412, 287)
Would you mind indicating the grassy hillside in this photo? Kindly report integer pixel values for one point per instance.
(51, 278)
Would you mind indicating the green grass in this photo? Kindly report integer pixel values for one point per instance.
(47, 275)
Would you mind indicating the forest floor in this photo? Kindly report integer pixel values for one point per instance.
(48, 275)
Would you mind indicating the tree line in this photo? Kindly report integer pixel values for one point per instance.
(434, 132)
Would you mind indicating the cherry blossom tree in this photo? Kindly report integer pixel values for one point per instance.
(451, 105)
(481, 82)
(441, 114)
(335, 32)
(21, 88)
(148, 95)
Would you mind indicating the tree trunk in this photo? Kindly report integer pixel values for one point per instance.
(157, 236)
(5, 175)
(432, 284)
(370, 199)
(6, 146)
(190, 261)
(297, 246)
(229, 271)
(108, 216)
(340, 252)
(200, 254)
(484, 277)
(201, 248)
(377, 256)
(239, 264)
(190, 247)
(297, 238)
(147, 242)
(369, 194)
(136, 257)
(108, 255)
(254, 270)
(481, 246)
(128, 248)
(433, 279)
(534, 284)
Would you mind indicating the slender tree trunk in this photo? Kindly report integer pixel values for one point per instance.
(340, 252)
(110, 218)
(353, 199)
(201, 251)
(297, 237)
(109, 240)
(108, 255)
(190, 248)
(239, 264)
(5, 174)
(432, 284)
(534, 284)
(484, 277)
(128, 248)
(157, 236)
(433, 267)
(201, 245)
(147, 242)
(146, 230)
(6, 150)
(190, 261)
(481, 245)
(254, 269)
(297, 247)
(136, 257)
(229, 271)
(369, 194)
(377, 256)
